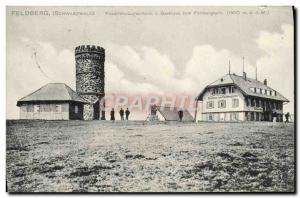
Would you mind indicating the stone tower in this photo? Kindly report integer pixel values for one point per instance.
(90, 78)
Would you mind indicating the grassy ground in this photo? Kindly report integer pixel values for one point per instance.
(97, 156)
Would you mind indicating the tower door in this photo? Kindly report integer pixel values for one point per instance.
(96, 110)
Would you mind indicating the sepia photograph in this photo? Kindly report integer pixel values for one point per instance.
(150, 99)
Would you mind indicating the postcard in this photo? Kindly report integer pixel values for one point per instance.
(103, 99)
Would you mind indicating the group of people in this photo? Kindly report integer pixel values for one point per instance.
(122, 112)
(127, 112)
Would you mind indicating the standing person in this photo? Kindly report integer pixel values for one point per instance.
(112, 114)
(180, 114)
(287, 115)
(127, 112)
(122, 114)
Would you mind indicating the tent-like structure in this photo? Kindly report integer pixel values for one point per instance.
(171, 114)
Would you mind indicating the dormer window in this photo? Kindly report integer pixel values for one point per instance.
(223, 90)
(231, 89)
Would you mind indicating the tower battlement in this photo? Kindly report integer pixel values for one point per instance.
(89, 49)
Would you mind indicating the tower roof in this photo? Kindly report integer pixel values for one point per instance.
(245, 85)
(52, 92)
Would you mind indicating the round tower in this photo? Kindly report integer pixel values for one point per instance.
(90, 78)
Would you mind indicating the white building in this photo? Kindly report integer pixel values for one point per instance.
(54, 101)
(238, 98)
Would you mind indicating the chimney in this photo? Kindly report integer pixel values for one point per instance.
(245, 75)
(265, 82)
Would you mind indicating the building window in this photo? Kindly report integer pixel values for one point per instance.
(253, 103)
(235, 103)
(231, 89)
(76, 109)
(210, 117)
(257, 116)
(252, 116)
(248, 102)
(223, 90)
(222, 103)
(271, 93)
(29, 108)
(215, 91)
(254, 90)
(234, 116)
(266, 92)
(36, 108)
(57, 108)
(210, 104)
(280, 106)
(247, 117)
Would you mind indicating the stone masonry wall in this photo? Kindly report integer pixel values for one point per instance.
(90, 77)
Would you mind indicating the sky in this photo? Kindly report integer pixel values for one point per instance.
(150, 50)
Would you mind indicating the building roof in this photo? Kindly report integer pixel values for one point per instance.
(52, 92)
(172, 114)
(245, 86)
